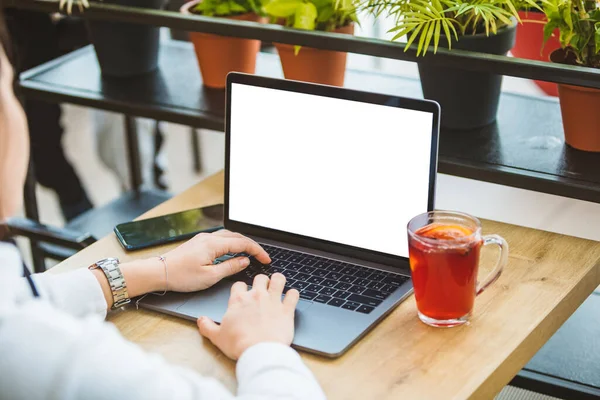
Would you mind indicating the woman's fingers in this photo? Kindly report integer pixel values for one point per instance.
(230, 267)
(228, 234)
(276, 285)
(208, 328)
(223, 233)
(291, 300)
(261, 282)
(238, 288)
(241, 244)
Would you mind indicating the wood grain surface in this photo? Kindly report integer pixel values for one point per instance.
(548, 276)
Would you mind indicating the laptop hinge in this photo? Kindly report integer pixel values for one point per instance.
(402, 267)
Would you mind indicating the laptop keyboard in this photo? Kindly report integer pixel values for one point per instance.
(318, 279)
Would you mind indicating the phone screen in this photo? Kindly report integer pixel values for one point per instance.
(169, 228)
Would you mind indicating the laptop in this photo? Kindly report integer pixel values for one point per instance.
(326, 180)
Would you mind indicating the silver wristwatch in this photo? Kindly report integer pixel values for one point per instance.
(116, 281)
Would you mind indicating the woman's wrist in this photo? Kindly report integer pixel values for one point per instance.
(144, 276)
(141, 277)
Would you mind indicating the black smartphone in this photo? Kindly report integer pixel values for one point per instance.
(183, 225)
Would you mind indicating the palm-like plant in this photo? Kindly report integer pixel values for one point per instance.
(429, 20)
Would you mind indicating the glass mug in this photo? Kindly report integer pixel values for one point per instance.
(444, 251)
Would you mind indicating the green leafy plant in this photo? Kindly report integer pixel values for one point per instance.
(430, 20)
(579, 24)
(320, 15)
(223, 8)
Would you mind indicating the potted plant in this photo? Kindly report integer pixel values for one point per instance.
(305, 63)
(579, 25)
(125, 49)
(468, 99)
(218, 55)
(529, 42)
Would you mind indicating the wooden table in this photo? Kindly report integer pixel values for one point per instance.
(548, 276)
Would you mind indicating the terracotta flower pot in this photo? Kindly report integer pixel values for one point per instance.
(219, 55)
(579, 107)
(314, 65)
(530, 44)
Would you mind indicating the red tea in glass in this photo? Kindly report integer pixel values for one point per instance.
(444, 252)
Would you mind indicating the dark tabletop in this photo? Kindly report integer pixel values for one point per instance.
(524, 149)
(570, 361)
(574, 351)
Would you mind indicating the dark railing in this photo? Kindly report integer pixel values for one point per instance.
(472, 61)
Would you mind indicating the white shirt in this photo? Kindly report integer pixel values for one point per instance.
(59, 347)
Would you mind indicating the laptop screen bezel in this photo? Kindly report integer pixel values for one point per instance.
(340, 93)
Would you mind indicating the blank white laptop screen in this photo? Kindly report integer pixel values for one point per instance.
(339, 170)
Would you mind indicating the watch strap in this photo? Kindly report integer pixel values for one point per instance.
(116, 281)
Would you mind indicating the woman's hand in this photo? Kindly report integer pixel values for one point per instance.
(254, 316)
(191, 264)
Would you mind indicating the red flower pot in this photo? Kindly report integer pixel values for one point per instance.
(530, 44)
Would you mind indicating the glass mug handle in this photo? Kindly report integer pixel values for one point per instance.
(502, 261)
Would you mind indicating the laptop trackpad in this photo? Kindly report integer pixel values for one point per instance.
(212, 303)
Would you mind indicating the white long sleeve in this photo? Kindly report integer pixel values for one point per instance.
(77, 292)
(46, 352)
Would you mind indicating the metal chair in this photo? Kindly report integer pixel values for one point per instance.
(49, 242)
